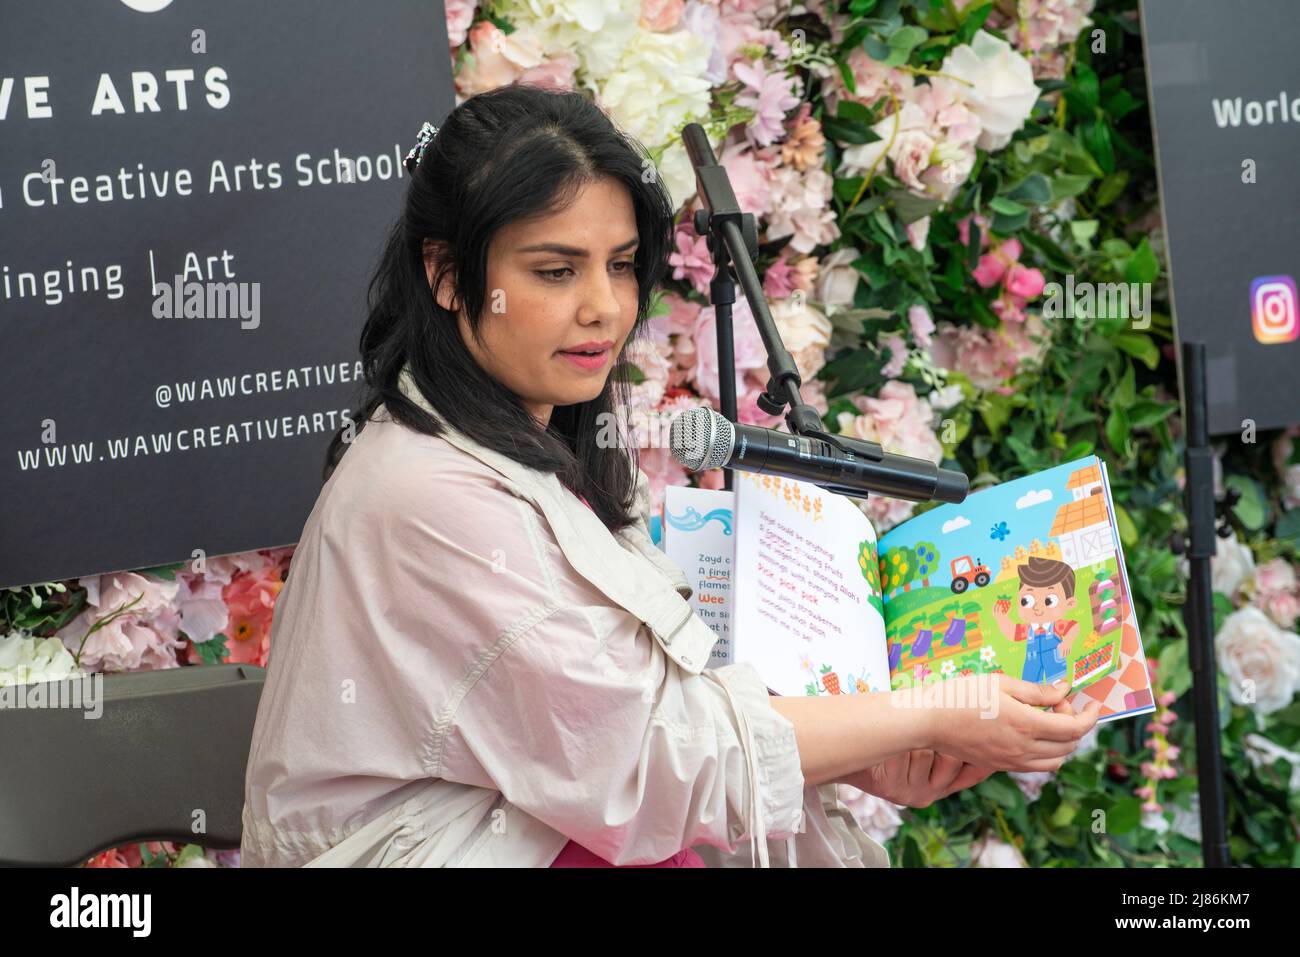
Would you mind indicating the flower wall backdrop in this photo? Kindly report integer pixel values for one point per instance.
(921, 171)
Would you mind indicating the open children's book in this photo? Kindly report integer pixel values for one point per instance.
(1025, 578)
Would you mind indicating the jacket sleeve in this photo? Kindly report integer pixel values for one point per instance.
(567, 704)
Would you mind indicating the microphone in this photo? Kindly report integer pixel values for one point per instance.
(702, 439)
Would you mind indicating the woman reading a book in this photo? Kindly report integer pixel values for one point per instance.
(479, 656)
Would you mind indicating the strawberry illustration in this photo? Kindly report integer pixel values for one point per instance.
(830, 680)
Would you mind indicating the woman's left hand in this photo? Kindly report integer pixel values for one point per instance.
(917, 778)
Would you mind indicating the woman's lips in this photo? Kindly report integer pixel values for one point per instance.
(586, 361)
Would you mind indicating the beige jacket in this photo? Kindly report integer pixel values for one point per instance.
(468, 669)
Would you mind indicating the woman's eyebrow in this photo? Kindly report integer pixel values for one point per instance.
(574, 251)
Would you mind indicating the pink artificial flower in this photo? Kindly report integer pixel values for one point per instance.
(872, 79)
(1026, 282)
(770, 95)
(779, 280)
(749, 171)
(497, 59)
(691, 260)
(460, 14)
(911, 154)
(897, 356)
(1009, 308)
(1282, 606)
(918, 317)
(660, 16)
(963, 230)
(918, 232)
(250, 599)
(990, 270)
(555, 74)
(749, 350)
(1276, 575)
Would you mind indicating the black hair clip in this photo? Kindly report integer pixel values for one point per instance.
(427, 132)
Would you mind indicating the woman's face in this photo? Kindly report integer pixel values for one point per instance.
(557, 285)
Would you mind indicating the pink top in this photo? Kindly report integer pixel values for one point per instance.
(574, 854)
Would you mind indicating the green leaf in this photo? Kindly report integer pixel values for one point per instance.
(1142, 265)
(972, 19)
(906, 39)
(1000, 204)
(188, 853)
(1123, 815)
(999, 789)
(1172, 665)
(1096, 139)
(1128, 533)
(876, 49)
(1140, 347)
(1111, 188)
(1252, 508)
(1083, 230)
(1288, 527)
(909, 207)
(1035, 189)
(1008, 224)
(1069, 184)
(213, 651)
(848, 131)
(1118, 431)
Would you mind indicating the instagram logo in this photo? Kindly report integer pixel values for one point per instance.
(1273, 309)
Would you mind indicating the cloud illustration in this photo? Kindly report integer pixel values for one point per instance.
(961, 521)
(1030, 499)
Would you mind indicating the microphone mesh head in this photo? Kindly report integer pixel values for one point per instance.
(701, 439)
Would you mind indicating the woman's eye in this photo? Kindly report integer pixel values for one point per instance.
(555, 275)
(1026, 601)
(1050, 601)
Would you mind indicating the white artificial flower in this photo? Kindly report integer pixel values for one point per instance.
(837, 280)
(1231, 565)
(1261, 751)
(596, 30)
(1155, 821)
(1188, 822)
(1259, 659)
(1031, 782)
(25, 659)
(805, 331)
(657, 86)
(989, 851)
(1002, 92)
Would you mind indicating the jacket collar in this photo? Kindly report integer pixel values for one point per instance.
(586, 544)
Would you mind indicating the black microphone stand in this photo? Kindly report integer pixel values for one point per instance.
(733, 244)
(1198, 612)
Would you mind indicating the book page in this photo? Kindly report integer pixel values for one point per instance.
(1025, 578)
(697, 535)
(806, 593)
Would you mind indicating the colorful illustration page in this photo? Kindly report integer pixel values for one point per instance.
(1025, 578)
(697, 536)
(807, 595)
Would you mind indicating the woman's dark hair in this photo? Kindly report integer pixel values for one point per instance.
(511, 153)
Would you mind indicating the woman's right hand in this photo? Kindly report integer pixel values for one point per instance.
(1007, 729)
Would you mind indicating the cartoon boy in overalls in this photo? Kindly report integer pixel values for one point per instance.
(1046, 597)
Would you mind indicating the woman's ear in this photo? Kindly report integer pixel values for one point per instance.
(432, 258)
